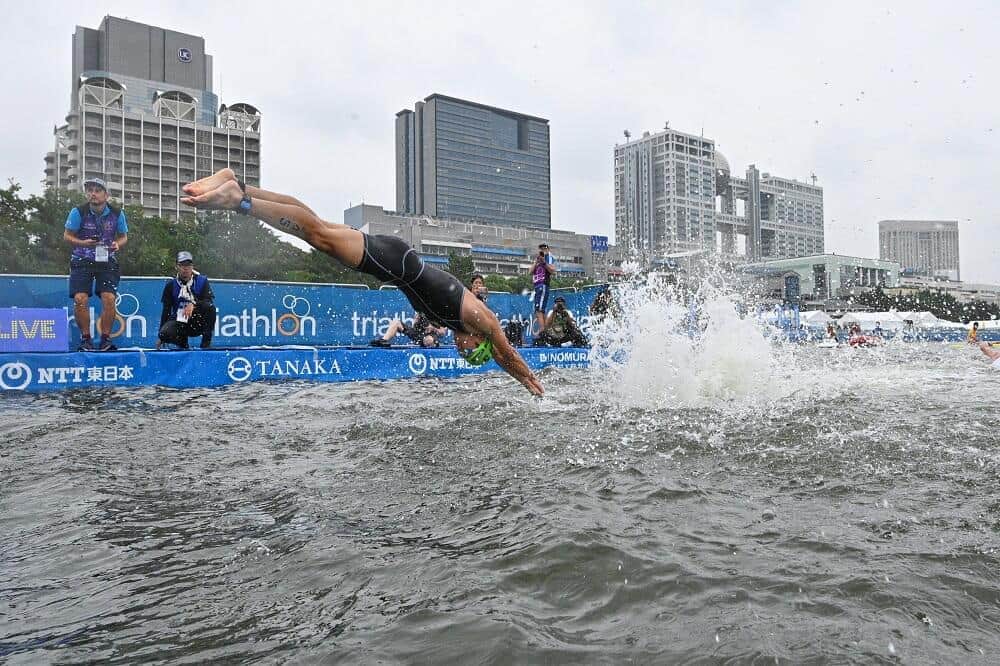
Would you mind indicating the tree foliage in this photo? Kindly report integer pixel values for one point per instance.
(461, 266)
(939, 303)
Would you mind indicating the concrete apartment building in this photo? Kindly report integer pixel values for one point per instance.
(674, 193)
(461, 160)
(495, 249)
(143, 116)
(922, 247)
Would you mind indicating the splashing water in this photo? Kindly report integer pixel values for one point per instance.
(666, 350)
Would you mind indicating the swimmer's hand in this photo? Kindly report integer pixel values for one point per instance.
(508, 359)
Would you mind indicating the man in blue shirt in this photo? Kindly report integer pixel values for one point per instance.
(97, 231)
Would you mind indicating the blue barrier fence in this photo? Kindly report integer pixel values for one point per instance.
(260, 313)
(39, 372)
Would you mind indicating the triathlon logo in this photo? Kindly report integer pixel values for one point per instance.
(418, 364)
(123, 319)
(183, 54)
(14, 376)
(293, 319)
(239, 369)
(299, 308)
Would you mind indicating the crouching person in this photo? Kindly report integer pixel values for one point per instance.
(188, 306)
(560, 328)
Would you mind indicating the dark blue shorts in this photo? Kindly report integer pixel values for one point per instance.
(89, 277)
(541, 297)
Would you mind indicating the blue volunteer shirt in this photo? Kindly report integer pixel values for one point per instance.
(95, 227)
(73, 221)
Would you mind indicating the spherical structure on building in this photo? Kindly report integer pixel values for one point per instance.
(721, 173)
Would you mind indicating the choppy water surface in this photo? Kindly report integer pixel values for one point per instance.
(847, 512)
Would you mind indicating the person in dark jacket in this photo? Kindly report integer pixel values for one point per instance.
(188, 306)
(561, 327)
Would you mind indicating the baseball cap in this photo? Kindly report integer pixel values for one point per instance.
(560, 299)
(95, 181)
(543, 246)
(183, 256)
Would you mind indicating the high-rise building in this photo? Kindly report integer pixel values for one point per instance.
(144, 118)
(674, 193)
(922, 247)
(463, 160)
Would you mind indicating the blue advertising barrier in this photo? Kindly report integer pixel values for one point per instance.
(260, 313)
(190, 369)
(33, 330)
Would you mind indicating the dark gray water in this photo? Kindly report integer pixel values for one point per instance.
(855, 520)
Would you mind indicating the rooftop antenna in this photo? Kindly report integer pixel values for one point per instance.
(813, 177)
(628, 135)
(666, 125)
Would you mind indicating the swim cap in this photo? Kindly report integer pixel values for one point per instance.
(481, 354)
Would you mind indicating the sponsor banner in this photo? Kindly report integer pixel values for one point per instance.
(191, 369)
(33, 330)
(259, 313)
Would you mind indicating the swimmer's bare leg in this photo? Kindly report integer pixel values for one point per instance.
(341, 242)
(209, 183)
(223, 176)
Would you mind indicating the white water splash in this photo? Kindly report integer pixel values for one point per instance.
(664, 352)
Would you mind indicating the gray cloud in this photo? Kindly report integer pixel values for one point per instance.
(892, 107)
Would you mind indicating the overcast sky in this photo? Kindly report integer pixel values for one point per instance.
(895, 108)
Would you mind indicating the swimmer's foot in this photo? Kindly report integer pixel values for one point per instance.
(209, 183)
(225, 197)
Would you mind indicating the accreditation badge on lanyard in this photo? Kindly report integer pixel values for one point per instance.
(101, 254)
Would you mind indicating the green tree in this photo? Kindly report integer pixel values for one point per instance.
(939, 303)
(461, 266)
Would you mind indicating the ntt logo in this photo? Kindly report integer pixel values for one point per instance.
(418, 364)
(14, 376)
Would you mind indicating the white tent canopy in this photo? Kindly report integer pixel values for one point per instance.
(889, 321)
(815, 318)
(925, 319)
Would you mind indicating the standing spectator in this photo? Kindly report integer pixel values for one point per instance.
(973, 333)
(478, 288)
(541, 276)
(96, 230)
(560, 327)
(188, 306)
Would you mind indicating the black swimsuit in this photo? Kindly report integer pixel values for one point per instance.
(431, 291)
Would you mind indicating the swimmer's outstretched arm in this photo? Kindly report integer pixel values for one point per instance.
(480, 321)
(339, 241)
(508, 359)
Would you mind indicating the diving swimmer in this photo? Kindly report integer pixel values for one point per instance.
(439, 295)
